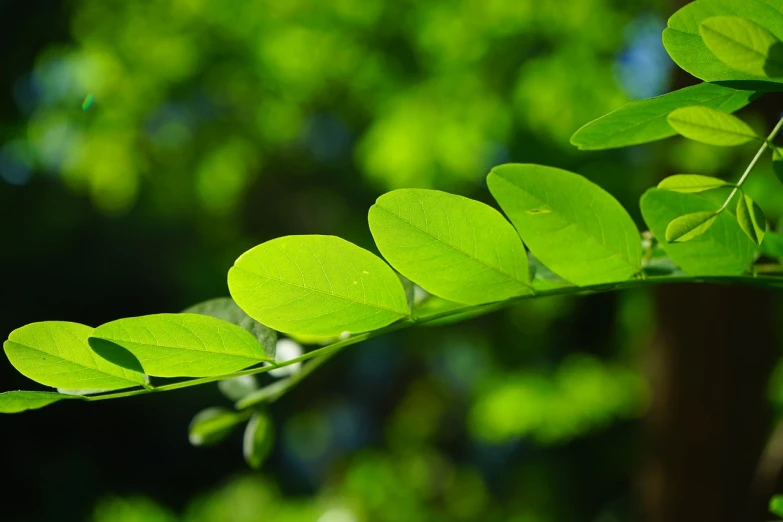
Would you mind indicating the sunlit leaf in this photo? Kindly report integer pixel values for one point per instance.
(18, 401)
(226, 309)
(684, 228)
(451, 246)
(238, 387)
(711, 126)
(316, 285)
(743, 45)
(751, 219)
(212, 425)
(692, 183)
(179, 345)
(258, 440)
(687, 48)
(57, 354)
(776, 505)
(645, 120)
(723, 250)
(573, 226)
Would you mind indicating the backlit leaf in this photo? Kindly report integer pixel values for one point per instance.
(57, 354)
(258, 440)
(687, 48)
(751, 219)
(684, 228)
(573, 226)
(645, 120)
(316, 285)
(451, 246)
(723, 250)
(711, 126)
(692, 183)
(212, 425)
(18, 401)
(743, 45)
(179, 345)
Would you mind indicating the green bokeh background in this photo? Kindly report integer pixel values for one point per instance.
(144, 145)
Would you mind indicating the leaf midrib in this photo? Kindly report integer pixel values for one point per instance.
(576, 224)
(663, 114)
(717, 129)
(496, 269)
(58, 357)
(182, 348)
(319, 291)
(737, 42)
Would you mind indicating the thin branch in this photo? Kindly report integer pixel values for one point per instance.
(325, 352)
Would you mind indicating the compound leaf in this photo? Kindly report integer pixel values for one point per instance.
(316, 285)
(751, 219)
(573, 226)
(723, 250)
(743, 45)
(692, 183)
(18, 401)
(684, 228)
(711, 126)
(644, 121)
(451, 246)
(179, 345)
(685, 45)
(57, 354)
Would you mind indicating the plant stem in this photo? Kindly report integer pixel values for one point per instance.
(767, 143)
(325, 352)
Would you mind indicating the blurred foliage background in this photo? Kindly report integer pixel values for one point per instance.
(144, 145)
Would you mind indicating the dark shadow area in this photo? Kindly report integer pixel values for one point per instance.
(116, 354)
(774, 64)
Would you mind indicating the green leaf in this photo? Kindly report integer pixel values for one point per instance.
(684, 228)
(18, 401)
(258, 440)
(751, 219)
(772, 245)
(179, 345)
(238, 387)
(316, 285)
(743, 45)
(570, 224)
(711, 126)
(644, 121)
(685, 45)
(451, 246)
(692, 183)
(57, 354)
(212, 425)
(776, 505)
(226, 309)
(722, 250)
(777, 163)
